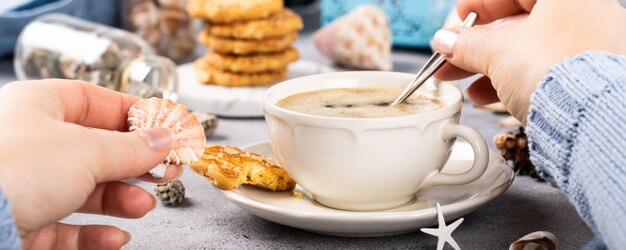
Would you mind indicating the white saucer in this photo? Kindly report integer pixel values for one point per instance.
(306, 214)
(233, 101)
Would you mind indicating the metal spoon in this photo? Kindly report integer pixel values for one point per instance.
(432, 65)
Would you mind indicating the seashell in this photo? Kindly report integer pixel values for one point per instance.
(208, 122)
(359, 39)
(158, 171)
(171, 193)
(540, 240)
(189, 136)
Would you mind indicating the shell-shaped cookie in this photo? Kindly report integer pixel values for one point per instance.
(189, 137)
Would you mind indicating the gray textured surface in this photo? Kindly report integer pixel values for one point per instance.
(208, 221)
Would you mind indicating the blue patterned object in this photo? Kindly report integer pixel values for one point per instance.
(15, 14)
(413, 22)
(576, 137)
(9, 237)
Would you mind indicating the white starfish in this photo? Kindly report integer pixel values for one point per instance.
(443, 233)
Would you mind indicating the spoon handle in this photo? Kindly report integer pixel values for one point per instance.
(432, 65)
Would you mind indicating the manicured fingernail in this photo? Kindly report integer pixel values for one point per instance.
(158, 138)
(128, 237)
(444, 41)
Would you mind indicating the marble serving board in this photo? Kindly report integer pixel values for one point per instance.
(233, 101)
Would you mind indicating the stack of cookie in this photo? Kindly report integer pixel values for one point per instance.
(249, 41)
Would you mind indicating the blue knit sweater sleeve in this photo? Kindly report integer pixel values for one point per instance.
(577, 137)
(9, 238)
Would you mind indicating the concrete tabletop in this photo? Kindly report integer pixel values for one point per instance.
(208, 221)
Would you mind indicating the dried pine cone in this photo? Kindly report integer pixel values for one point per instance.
(170, 193)
(514, 147)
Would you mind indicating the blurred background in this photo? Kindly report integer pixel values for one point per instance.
(105, 51)
(416, 19)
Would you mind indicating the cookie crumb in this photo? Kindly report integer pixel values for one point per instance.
(298, 195)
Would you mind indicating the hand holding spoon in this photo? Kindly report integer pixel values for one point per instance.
(432, 65)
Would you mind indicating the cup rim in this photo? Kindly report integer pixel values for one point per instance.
(451, 107)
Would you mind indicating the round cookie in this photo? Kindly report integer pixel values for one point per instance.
(278, 24)
(225, 11)
(245, 47)
(208, 74)
(252, 63)
(229, 167)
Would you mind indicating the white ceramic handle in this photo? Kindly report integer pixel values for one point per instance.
(481, 158)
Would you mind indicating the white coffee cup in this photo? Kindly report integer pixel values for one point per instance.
(366, 164)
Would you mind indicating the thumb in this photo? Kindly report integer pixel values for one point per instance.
(125, 155)
(470, 49)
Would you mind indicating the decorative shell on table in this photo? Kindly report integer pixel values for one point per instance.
(360, 39)
(540, 240)
(171, 193)
(188, 138)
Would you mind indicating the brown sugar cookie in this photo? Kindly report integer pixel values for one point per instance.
(278, 24)
(252, 63)
(249, 46)
(208, 74)
(225, 11)
(228, 167)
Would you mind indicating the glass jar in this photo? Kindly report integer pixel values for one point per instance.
(60, 46)
(164, 24)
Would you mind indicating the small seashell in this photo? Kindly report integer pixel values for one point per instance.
(189, 136)
(359, 39)
(540, 240)
(208, 122)
(171, 193)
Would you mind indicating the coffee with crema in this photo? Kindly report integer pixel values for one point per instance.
(359, 103)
